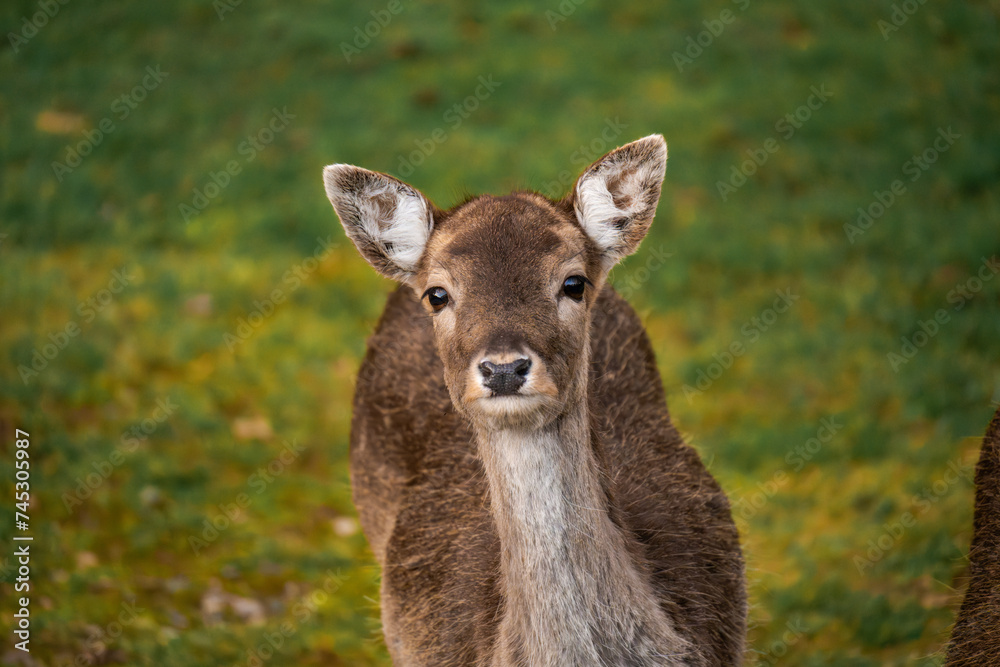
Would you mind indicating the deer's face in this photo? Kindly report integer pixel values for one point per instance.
(508, 282)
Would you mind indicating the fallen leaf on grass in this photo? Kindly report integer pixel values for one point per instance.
(59, 122)
(250, 428)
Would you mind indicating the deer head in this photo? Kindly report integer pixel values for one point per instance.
(508, 281)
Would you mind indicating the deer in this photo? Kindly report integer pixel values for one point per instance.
(513, 461)
(975, 638)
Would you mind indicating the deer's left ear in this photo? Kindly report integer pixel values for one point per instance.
(615, 198)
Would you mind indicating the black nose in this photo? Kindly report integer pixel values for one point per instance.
(505, 379)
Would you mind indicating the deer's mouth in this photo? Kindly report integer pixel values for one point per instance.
(517, 399)
(518, 410)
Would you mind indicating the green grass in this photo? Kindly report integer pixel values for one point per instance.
(172, 335)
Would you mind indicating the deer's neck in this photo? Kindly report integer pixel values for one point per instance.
(573, 593)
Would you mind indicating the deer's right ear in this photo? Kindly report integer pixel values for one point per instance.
(388, 220)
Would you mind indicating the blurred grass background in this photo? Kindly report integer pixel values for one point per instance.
(170, 528)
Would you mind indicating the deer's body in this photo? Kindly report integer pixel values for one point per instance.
(513, 460)
(423, 496)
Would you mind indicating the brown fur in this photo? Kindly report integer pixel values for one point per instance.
(420, 489)
(975, 639)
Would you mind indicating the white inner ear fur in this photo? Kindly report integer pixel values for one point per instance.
(400, 231)
(407, 231)
(632, 173)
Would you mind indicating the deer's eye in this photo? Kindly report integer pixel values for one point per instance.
(437, 297)
(574, 286)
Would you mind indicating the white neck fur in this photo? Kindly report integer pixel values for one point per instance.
(573, 594)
